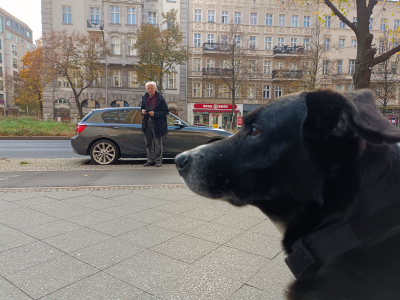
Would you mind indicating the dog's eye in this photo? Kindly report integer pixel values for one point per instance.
(255, 131)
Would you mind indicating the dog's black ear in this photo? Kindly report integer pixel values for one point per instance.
(352, 113)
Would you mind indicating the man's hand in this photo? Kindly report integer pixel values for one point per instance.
(144, 112)
(151, 113)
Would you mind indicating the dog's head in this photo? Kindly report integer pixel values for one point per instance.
(288, 149)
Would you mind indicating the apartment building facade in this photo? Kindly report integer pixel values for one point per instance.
(15, 41)
(117, 21)
(276, 35)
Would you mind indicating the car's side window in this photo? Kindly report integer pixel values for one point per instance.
(111, 116)
(131, 116)
(171, 120)
(94, 118)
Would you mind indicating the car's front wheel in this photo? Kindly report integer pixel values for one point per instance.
(104, 153)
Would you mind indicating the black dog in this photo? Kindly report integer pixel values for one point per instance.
(326, 167)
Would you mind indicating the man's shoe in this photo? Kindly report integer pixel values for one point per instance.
(158, 164)
(148, 164)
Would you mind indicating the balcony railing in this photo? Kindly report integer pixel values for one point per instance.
(288, 49)
(217, 71)
(94, 24)
(216, 47)
(287, 74)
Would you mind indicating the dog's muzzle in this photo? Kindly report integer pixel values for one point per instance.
(182, 162)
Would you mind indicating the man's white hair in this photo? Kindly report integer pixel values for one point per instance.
(151, 82)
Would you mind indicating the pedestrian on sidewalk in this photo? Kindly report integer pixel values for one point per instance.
(154, 124)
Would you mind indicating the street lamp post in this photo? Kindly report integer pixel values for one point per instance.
(105, 53)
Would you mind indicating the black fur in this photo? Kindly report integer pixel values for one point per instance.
(321, 158)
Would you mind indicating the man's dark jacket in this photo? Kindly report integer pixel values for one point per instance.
(160, 115)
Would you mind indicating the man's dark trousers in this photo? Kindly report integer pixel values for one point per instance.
(153, 144)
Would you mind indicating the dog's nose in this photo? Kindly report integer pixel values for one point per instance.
(182, 161)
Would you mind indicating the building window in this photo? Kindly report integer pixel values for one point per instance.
(130, 43)
(67, 15)
(131, 16)
(210, 63)
(211, 16)
(268, 19)
(237, 41)
(152, 18)
(339, 87)
(0, 44)
(325, 67)
(22, 43)
(293, 42)
(1, 85)
(253, 66)
(396, 24)
(354, 43)
(238, 18)
(293, 66)
(197, 40)
(370, 24)
(8, 23)
(281, 20)
(328, 21)
(278, 91)
(116, 79)
(224, 17)
(253, 19)
(132, 79)
(14, 50)
(1, 24)
(253, 42)
(209, 90)
(115, 14)
(341, 43)
(281, 41)
(342, 25)
(197, 64)
(268, 43)
(16, 39)
(251, 92)
(340, 67)
(295, 21)
(383, 24)
(381, 46)
(352, 66)
(197, 15)
(350, 87)
(279, 65)
(355, 21)
(197, 90)
(326, 44)
(266, 92)
(28, 46)
(95, 15)
(15, 63)
(115, 45)
(28, 34)
(306, 22)
(9, 36)
(210, 38)
(171, 81)
(306, 44)
(223, 91)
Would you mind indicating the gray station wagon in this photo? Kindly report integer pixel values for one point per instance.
(112, 133)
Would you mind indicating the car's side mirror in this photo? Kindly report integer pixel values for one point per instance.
(179, 123)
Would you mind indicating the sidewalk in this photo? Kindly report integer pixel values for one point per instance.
(137, 243)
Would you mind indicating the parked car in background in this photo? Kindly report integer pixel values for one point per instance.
(112, 133)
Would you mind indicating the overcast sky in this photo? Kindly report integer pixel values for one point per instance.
(28, 11)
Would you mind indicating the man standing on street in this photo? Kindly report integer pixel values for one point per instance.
(154, 124)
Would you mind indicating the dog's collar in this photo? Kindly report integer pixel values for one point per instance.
(312, 252)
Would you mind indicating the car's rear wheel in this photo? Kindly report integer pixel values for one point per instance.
(104, 153)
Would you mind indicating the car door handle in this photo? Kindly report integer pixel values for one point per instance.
(115, 127)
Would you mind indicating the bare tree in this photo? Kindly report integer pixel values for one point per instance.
(385, 77)
(234, 63)
(76, 58)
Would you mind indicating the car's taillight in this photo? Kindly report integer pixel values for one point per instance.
(80, 128)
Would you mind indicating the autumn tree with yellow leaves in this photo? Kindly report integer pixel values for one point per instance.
(159, 50)
(367, 55)
(76, 58)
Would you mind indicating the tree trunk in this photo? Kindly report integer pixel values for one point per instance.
(364, 63)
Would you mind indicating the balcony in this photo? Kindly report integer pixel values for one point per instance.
(217, 72)
(94, 25)
(287, 74)
(216, 47)
(288, 50)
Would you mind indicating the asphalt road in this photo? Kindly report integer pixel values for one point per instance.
(88, 178)
(37, 149)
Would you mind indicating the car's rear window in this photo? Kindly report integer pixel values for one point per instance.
(123, 116)
(93, 118)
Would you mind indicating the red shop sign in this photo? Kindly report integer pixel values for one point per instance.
(213, 106)
(240, 120)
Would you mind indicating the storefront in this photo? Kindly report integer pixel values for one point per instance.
(249, 108)
(214, 115)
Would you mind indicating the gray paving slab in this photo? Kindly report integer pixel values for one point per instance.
(157, 243)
